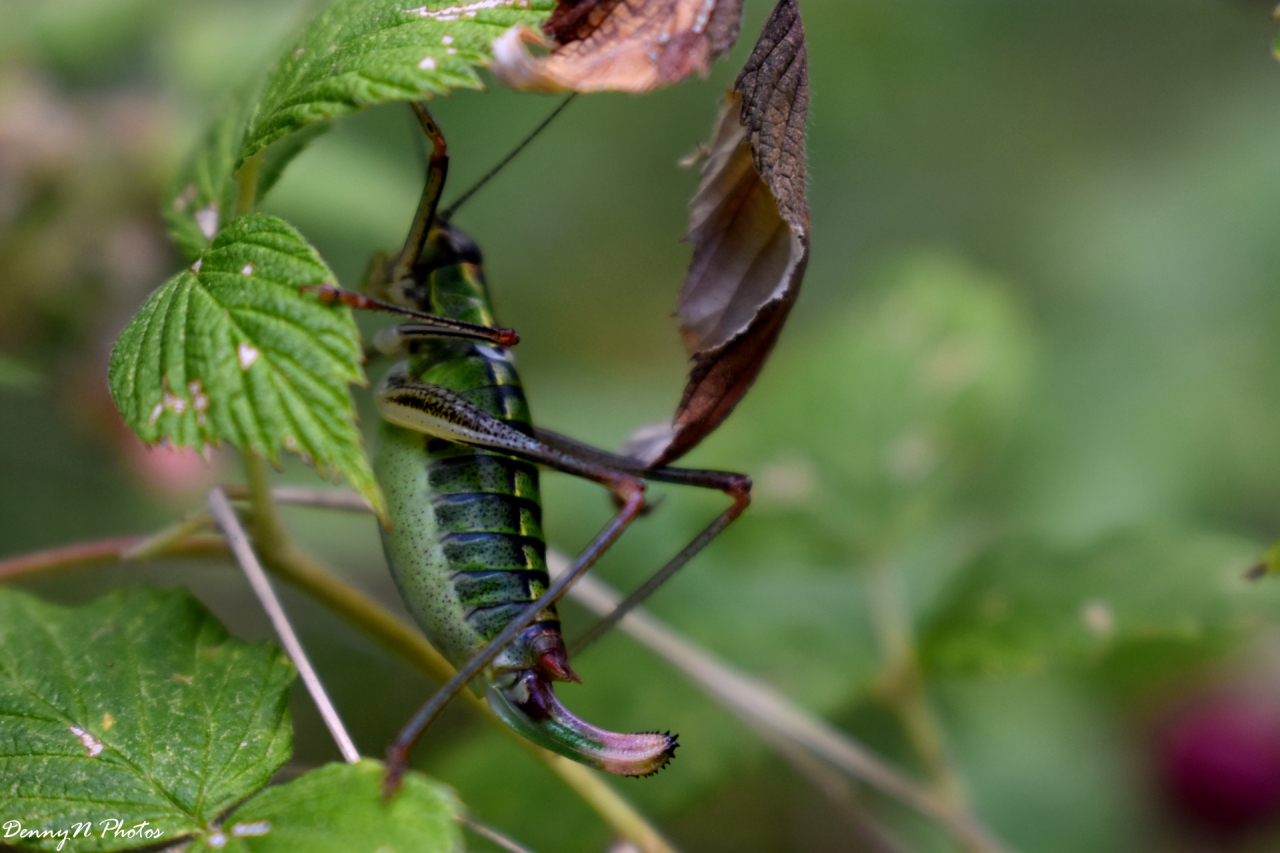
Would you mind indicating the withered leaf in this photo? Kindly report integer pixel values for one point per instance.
(625, 45)
(749, 224)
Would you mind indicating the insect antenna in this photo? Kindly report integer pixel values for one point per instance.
(444, 215)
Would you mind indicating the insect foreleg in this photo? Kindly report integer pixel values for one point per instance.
(437, 171)
(428, 325)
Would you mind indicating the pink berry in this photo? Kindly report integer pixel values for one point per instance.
(1221, 762)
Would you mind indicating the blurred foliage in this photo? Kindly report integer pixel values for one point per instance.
(1031, 378)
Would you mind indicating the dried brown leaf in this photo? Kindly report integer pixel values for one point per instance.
(626, 45)
(749, 224)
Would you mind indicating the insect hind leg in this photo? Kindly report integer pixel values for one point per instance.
(736, 486)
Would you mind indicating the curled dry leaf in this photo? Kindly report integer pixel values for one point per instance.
(625, 45)
(749, 224)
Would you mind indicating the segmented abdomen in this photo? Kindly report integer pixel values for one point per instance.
(485, 511)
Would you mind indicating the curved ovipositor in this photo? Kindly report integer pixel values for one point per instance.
(525, 701)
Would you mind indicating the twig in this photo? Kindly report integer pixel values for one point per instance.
(493, 835)
(760, 704)
(101, 551)
(159, 543)
(239, 542)
(334, 499)
(337, 499)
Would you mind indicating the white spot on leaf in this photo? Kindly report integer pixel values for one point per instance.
(247, 269)
(174, 402)
(453, 13)
(155, 414)
(246, 830)
(91, 743)
(247, 355)
(447, 40)
(199, 399)
(196, 266)
(207, 220)
(217, 841)
(428, 63)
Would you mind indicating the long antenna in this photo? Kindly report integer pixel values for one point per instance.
(444, 215)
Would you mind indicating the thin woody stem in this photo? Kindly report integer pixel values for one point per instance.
(238, 539)
(493, 836)
(102, 551)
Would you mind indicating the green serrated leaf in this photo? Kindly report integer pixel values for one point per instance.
(135, 708)
(232, 350)
(339, 809)
(359, 53)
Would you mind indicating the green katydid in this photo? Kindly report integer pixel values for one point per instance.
(457, 464)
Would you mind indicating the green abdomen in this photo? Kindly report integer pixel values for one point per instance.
(467, 548)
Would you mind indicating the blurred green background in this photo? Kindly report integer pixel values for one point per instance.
(1018, 439)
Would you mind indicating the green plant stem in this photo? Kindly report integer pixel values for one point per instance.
(901, 686)
(163, 541)
(247, 184)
